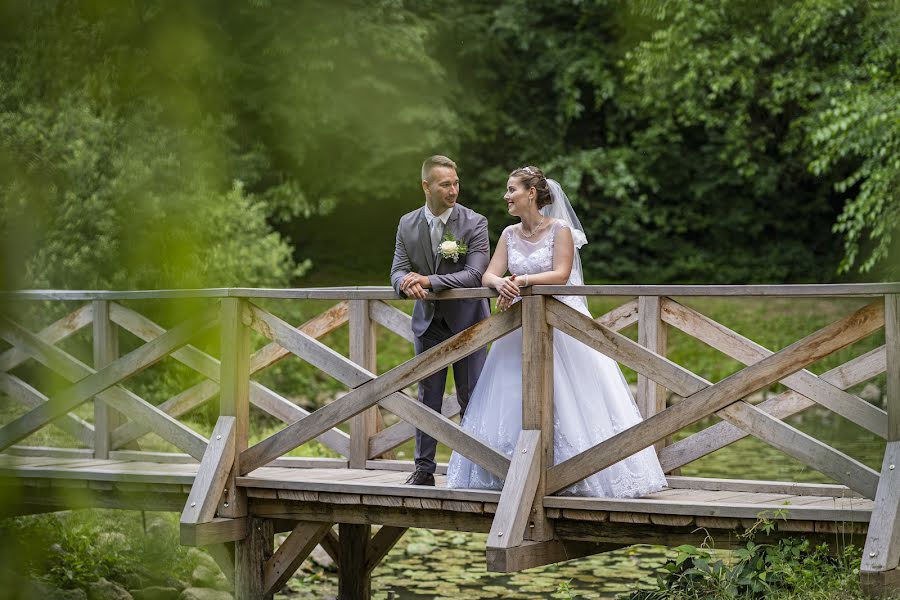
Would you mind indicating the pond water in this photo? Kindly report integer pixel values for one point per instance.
(438, 564)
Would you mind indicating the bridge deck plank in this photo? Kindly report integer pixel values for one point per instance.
(334, 484)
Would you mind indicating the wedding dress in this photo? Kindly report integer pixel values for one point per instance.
(591, 399)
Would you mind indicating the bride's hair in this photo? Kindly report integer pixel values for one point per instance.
(532, 177)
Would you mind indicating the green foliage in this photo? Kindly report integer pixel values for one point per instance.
(784, 568)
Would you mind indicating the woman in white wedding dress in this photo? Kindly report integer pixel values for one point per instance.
(591, 399)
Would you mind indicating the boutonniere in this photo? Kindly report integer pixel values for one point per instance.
(452, 248)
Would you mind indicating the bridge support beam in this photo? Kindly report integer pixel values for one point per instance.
(879, 573)
(354, 579)
(250, 556)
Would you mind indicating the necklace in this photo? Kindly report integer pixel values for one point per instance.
(528, 235)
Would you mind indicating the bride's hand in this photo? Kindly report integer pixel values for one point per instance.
(508, 289)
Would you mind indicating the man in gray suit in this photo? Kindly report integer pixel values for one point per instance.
(420, 265)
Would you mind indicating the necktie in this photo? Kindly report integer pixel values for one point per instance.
(437, 230)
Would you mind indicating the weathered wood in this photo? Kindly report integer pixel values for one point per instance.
(291, 554)
(106, 350)
(251, 555)
(782, 406)
(217, 531)
(537, 413)
(260, 396)
(882, 550)
(805, 448)
(234, 379)
(392, 319)
(880, 584)
(713, 398)
(212, 474)
(362, 351)
(789, 290)
(892, 345)
(537, 554)
(621, 349)
(380, 544)
(447, 432)
(367, 394)
(621, 317)
(52, 334)
(317, 327)
(402, 432)
(331, 546)
(651, 397)
(90, 383)
(25, 394)
(354, 581)
(518, 495)
(748, 352)
(760, 486)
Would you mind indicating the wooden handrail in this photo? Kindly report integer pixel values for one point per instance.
(388, 293)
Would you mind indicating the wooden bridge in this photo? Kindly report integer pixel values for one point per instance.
(234, 496)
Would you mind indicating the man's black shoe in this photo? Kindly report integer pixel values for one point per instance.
(420, 478)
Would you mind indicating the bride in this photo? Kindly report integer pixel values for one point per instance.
(592, 401)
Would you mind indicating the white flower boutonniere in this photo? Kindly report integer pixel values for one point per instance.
(452, 248)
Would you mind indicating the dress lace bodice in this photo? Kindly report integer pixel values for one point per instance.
(525, 256)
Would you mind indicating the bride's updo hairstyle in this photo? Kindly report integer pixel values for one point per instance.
(532, 177)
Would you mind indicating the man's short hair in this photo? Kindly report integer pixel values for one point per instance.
(436, 161)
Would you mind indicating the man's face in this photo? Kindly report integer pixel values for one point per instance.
(441, 189)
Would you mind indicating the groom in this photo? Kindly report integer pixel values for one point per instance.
(420, 265)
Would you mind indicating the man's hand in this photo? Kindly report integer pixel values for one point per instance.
(414, 285)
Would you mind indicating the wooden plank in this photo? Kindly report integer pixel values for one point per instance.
(447, 432)
(212, 474)
(671, 520)
(422, 503)
(354, 581)
(52, 334)
(339, 498)
(363, 425)
(291, 554)
(788, 290)
(317, 327)
(175, 406)
(90, 383)
(260, 396)
(106, 350)
(392, 319)
(761, 486)
(217, 531)
(879, 584)
(537, 554)
(367, 394)
(298, 495)
(859, 512)
(623, 350)
(380, 544)
(803, 447)
(749, 352)
(400, 433)
(782, 406)
(234, 399)
(382, 500)
(250, 556)
(892, 345)
(651, 397)
(517, 498)
(713, 398)
(619, 318)
(882, 552)
(25, 394)
(537, 414)
(460, 506)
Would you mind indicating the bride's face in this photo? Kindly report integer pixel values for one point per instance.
(517, 197)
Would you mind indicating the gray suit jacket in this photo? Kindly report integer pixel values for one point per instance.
(413, 252)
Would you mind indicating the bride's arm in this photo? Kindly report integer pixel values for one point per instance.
(563, 255)
(493, 275)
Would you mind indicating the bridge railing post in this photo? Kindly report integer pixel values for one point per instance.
(106, 350)
(537, 400)
(879, 572)
(652, 334)
(234, 400)
(363, 352)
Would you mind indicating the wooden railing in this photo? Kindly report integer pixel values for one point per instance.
(121, 417)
